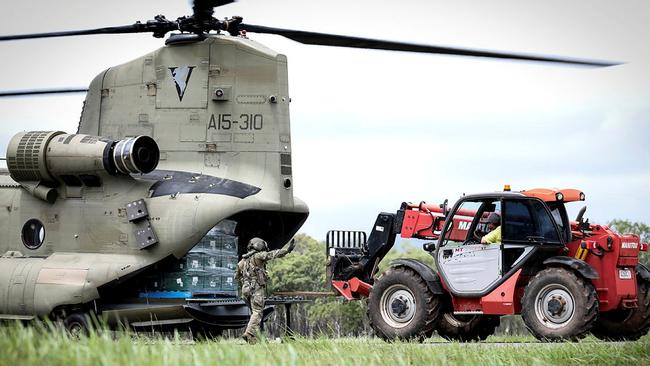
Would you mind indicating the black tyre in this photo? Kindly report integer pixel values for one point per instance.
(626, 325)
(77, 325)
(466, 328)
(559, 305)
(401, 306)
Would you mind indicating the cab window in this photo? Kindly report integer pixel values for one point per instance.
(558, 211)
(469, 222)
(528, 221)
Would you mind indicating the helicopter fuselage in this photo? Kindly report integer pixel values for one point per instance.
(218, 110)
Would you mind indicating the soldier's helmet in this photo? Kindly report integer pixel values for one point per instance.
(257, 245)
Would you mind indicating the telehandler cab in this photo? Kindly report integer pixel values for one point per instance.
(566, 278)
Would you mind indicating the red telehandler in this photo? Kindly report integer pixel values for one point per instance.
(566, 278)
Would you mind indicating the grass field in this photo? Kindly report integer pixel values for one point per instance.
(38, 345)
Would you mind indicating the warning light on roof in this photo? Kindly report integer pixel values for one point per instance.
(506, 188)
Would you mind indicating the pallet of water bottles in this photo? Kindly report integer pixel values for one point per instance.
(209, 268)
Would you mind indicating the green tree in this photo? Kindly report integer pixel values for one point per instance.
(406, 250)
(637, 228)
(302, 270)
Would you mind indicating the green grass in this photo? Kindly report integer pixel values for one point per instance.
(40, 345)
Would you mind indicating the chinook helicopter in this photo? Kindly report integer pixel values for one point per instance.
(169, 147)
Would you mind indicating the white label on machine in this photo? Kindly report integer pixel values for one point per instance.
(625, 274)
(332, 252)
(379, 228)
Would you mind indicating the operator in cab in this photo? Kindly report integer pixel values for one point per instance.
(494, 225)
(252, 276)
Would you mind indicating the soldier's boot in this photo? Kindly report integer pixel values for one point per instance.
(249, 338)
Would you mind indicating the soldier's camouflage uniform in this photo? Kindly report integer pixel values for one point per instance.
(252, 276)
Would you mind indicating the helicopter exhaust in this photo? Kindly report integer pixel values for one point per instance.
(136, 155)
(42, 160)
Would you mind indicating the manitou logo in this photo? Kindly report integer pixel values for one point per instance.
(629, 245)
(464, 225)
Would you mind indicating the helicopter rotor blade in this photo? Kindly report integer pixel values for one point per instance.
(201, 21)
(133, 28)
(158, 27)
(18, 93)
(324, 39)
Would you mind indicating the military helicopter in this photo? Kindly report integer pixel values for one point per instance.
(184, 144)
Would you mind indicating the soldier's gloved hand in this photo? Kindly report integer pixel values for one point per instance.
(292, 245)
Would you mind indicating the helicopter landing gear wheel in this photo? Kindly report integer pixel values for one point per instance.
(77, 325)
(626, 325)
(558, 305)
(401, 306)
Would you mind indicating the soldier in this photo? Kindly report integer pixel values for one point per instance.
(251, 274)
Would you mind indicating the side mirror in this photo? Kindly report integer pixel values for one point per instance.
(581, 214)
(443, 206)
(429, 247)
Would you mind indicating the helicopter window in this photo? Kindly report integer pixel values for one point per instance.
(70, 180)
(33, 234)
(90, 180)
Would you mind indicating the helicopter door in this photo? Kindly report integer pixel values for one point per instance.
(466, 265)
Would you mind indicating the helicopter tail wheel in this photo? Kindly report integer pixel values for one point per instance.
(559, 305)
(401, 306)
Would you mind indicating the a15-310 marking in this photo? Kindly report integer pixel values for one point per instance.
(245, 122)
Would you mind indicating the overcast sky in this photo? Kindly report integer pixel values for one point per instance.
(373, 128)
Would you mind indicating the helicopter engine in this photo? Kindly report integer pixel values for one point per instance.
(40, 160)
(92, 213)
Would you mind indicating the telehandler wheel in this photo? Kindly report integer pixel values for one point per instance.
(558, 305)
(401, 306)
(466, 328)
(626, 325)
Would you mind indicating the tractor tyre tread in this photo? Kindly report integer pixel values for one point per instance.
(635, 326)
(586, 308)
(477, 329)
(426, 319)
